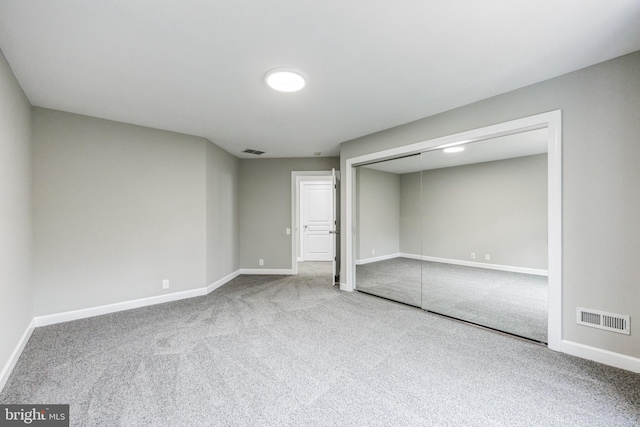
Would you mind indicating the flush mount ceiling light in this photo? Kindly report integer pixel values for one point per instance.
(453, 149)
(285, 79)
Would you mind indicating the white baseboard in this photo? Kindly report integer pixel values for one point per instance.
(286, 271)
(215, 285)
(15, 355)
(476, 264)
(67, 316)
(377, 258)
(599, 355)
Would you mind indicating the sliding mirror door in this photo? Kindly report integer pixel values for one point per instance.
(388, 228)
(484, 233)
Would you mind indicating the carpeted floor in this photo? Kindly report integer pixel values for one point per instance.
(295, 351)
(512, 302)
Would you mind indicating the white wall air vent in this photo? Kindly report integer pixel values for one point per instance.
(602, 320)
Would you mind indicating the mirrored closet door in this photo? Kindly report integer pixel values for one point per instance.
(387, 214)
(461, 233)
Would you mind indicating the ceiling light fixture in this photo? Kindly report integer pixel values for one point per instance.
(285, 79)
(453, 149)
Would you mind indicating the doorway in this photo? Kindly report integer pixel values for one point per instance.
(315, 222)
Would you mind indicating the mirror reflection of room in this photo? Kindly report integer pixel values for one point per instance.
(462, 234)
(386, 205)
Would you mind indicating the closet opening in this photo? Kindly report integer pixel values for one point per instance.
(472, 234)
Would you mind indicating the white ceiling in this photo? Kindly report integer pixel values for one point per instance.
(521, 144)
(197, 66)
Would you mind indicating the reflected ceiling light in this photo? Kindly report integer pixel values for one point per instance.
(453, 149)
(285, 79)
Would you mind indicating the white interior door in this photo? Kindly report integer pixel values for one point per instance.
(317, 221)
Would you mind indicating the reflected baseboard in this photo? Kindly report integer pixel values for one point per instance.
(377, 258)
(511, 268)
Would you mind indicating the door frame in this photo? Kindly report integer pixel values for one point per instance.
(296, 178)
(552, 121)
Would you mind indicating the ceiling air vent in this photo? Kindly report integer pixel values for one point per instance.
(603, 320)
(252, 151)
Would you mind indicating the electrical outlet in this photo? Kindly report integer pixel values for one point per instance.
(473, 255)
(487, 257)
(373, 251)
(165, 284)
(261, 262)
(288, 231)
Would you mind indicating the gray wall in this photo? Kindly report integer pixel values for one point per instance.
(497, 208)
(410, 214)
(601, 198)
(117, 209)
(265, 208)
(223, 240)
(16, 293)
(378, 218)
